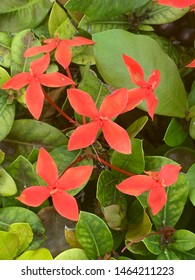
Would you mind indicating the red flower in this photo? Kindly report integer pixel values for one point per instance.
(34, 92)
(146, 88)
(72, 178)
(111, 107)
(155, 182)
(176, 3)
(63, 53)
(191, 64)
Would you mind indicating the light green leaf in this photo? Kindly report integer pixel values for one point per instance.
(170, 92)
(93, 235)
(8, 245)
(137, 126)
(7, 184)
(168, 255)
(153, 244)
(175, 134)
(4, 76)
(5, 53)
(72, 254)
(7, 115)
(39, 254)
(184, 240)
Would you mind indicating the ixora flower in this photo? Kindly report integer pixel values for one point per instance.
(34, 79)
(191, 64)
(57, 188)
(154, 182)
(176, 3)
(146, 88)
(111, 107)
(63, 53)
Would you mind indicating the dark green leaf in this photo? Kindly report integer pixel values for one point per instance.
(175, 134)
(137, 126)
(184, 240)
(153, 244)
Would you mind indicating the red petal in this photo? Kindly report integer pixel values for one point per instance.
(136, 185)
(154, 79)
(156, 199)
(135, 97)
(151, 102)
(18, 81)
(169, 173)
(191, 64)
(74, 177)
(46, 167)
(40, 49)
(34, 98)
(34, 196)
(78, 41)
(66, 205)
(84, 136)
(135, 70)
(55, 80)
(63, 54)
(82, 103)
(114, 104)
(117, 137)
(176, 3)
(40, 65)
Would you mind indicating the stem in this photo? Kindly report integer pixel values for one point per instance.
(58, 109)
(112, 166)
(78, 159)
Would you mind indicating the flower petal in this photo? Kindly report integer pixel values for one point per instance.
(40, 49)
(34, 196)
(156, 199)
(136, 185)
(46, 167)
(82, 103)
(55, 80)
(135, 97)
(84, 136)
(117, 137)
(63, 54)
(40, 65)
(176, 3)
(114, 104)
(18, 81)
(154, 79)
(74, 177)
(169, 173)
(135, 70)
(34, 98)
(151, 102)
(191, 64)
(78, 41)
(66, 205)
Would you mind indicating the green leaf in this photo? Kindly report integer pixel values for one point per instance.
(175, 134)
(8, 245)
(170, 92)
(24, 233)
(5, 53)
(7, 184)
(132, 163)
(17, 15)
(14, 214)
(137, 126)
(7, 115)
(168, 255)
(184, 240)
(39, 254)
(98, 9)
(83, 55)
(27, 134)
(153, 244)
(187, 255)
(93, 235)
(20, 43)
(72, 254)
(192, 128)
(191, 178)
(4, 76)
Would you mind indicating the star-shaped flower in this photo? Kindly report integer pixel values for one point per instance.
(176, 3)
(57, 188)
(111, 107)
(63, 54)
(191, 64)
(146, 88)
(154, 182)
(34, 79)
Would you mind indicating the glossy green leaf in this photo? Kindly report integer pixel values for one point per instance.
(17, 15)
(187, 255)
(175, 134)
(167, 254)
(153, 244)
(24, 233)
(191, 178)
(184, 240)
(97, 9)
(20, 43)
(8, 245)
(133, 163)
(39, 254)
(27, 134)
(4, 76)
(192, 128)
(7, 184)
(5, 53)
(10, 215)
(72, 254)
(7, 115)
(170, 92)
(94, 235)
(137, 126)
(138, 248)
